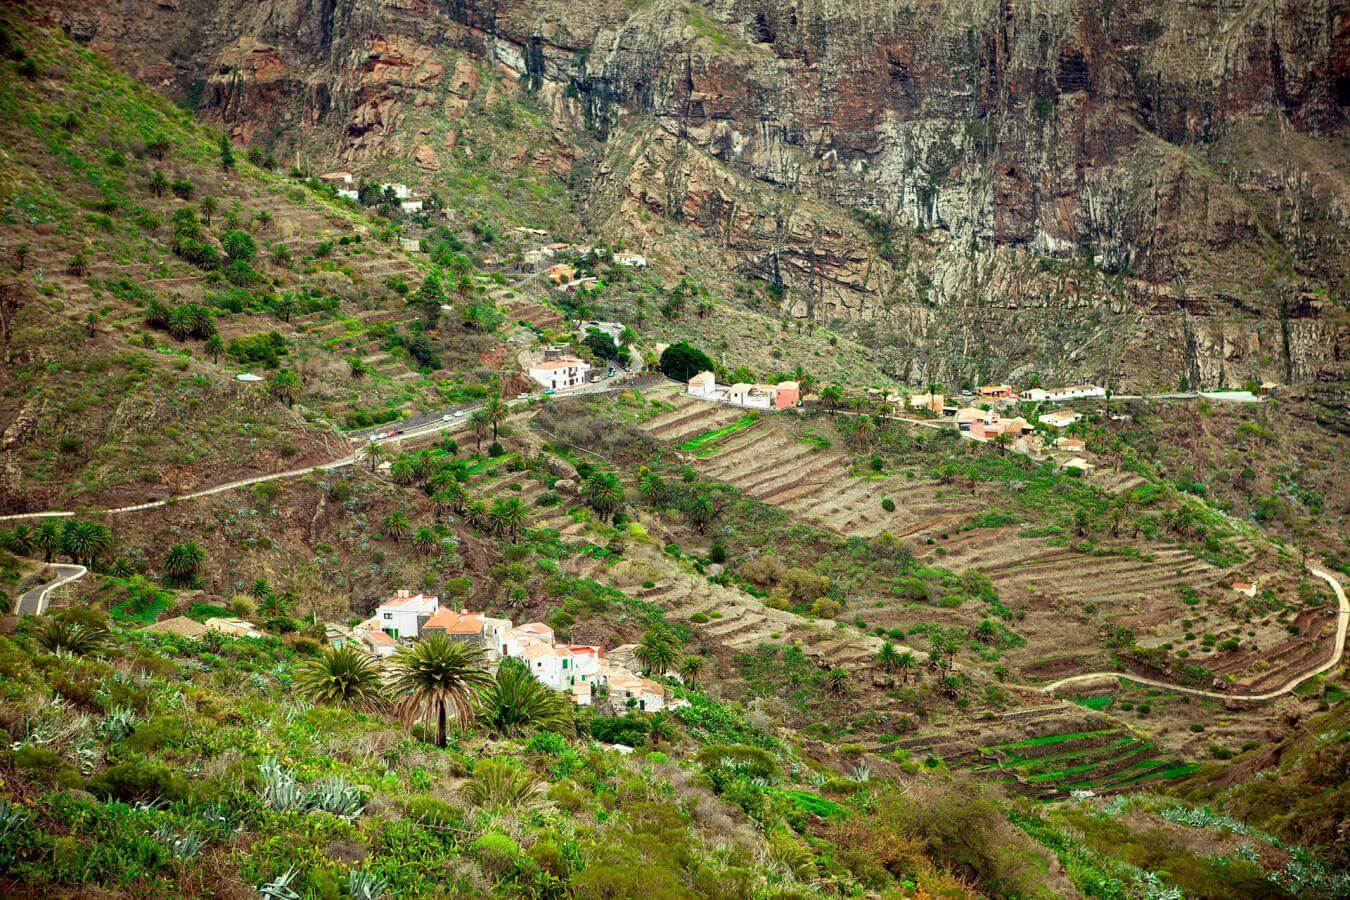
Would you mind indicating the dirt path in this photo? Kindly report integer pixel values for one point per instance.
(1342, 619)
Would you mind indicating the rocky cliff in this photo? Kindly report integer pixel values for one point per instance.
(1127, 190)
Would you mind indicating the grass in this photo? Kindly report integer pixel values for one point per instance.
(1096, 703)
(708, 438)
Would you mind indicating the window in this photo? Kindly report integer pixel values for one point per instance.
(388, 615)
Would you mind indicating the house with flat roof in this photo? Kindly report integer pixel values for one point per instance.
(402, 615)
(561, 372)
(1060, 394)
(1060, 419)
(704, 384)
(996, 391)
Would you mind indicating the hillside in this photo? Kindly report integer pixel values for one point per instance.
(370, 525)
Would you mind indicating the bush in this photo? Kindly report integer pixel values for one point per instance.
(888, 504)
(629, 730)
(825, 608)
(433, 811)
(496, 852)
(44, 766)
(132, 782)
(682, 361)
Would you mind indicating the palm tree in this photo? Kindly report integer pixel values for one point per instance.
(209, 206)
(496, 411)
(660, 728)
(276, 603)
(480, 422)
(62, 636)
(700, 511)
(476, 513)
(905, 663)
(183, 560)
(374, 453)
(396, 525)
(653, 488)
(437, 678)
(837, 681)
(516, 704)
(603, 492)
(657, 650)
(690, 668)
(497, 784)
(342, 676)
(20, 540)
(507, 516)
(47, 538)
(260, 590)
(403, 470)
(85, 542)
(832, 397)
(285, 385)
(215, 346)
(425, 540)
(864, 427)
(887, 656)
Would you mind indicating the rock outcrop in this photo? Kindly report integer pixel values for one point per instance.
(1130, 190)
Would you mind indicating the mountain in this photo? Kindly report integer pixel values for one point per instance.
(1132, 193)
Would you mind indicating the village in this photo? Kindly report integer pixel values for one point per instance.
(588, 674)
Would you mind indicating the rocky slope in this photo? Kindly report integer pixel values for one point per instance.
(1133, 192)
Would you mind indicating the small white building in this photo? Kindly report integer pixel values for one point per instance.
(373, 640)
(752, 396)
(403, 614)
(562, 372)
(1060, 420)
(635, 260)
(704, 384)
(1061, 394)
(411, 206)
(346, 194)
(613, 329)
(410, 245)
(400, 190)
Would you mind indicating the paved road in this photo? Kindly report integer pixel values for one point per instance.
(34, 602)
(352, 459)
(1338, 650)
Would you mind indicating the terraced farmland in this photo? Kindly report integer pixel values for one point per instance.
(1049, 751)
(776, 464)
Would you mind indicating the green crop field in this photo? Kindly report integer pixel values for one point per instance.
(707, 439)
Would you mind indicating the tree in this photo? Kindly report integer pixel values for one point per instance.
(21, 254)
(887, 657)
(700, 510)
(832, 397)
(657, 650)
(284, 306)
(436, 679)
(496, 411)
(284, 385)
(159, 183)
(682, 361)
(905, 662)
(183, 560)
(480, 424)
(238, 246)
(275, 603)
(403, 470)
(507, 516)
(84, 542)
(691, 667)
(603, 492)
(428, 300)
(653, 488)
(601, 344)
(374, 453)
(660, 728)
(516, 704)
(838, 681)
(863, 430)
(425, 540)
(260, 590)
(158, 147)
(209, 207)
(215, 346)
(396, 525)
(47, 538)
(226, 154)
(341, 676)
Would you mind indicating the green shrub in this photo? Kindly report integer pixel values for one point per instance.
(133, 781)
(434, 811)
(47, 767)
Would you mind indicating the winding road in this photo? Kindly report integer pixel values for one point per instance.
(1342, 619)
(34, 602)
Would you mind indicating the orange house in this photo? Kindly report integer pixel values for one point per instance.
(788, 395)
(998, 391)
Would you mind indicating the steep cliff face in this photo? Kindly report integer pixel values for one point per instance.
(1136, 191)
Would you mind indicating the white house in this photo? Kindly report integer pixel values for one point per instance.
(636, 260)
(1060, 394)
(704, 384)
(410, 245)
(400, 190)
(752, 396)
(373, 640)
(347, 194)
(403, 614)
(613, 329)
(1061, 419)
(411, 206)
(337, 178)
(562, 372)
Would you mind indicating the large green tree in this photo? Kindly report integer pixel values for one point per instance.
(436, 679)
(682, 361)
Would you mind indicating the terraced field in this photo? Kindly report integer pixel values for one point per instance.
(1051, 752)
(774, 463)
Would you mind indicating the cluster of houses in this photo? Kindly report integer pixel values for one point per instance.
(346, 185)
(783, 395)
(557, 260)
(585, 672)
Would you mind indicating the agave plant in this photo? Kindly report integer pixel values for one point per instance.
(280, 789)
(60, 636)
(342, 676)
(12, 818)
(118, 723)
(280, 888)
(498, 785)
(338, 797)
(363, 885)
(183, 846)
